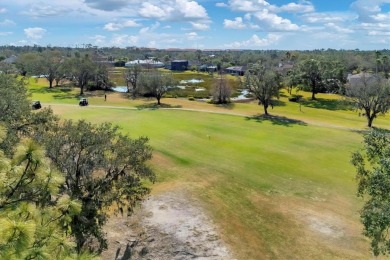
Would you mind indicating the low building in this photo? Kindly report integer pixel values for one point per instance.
(236, 70)
(284, 67)
(355, 79)
(145, 63)
(179, 65)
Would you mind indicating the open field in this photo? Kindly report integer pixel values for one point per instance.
(277, 188)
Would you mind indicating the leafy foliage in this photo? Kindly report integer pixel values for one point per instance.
(102, 168)
(221, 90)
(264, 84)
(156, 83)
(370, 93)
(374, 181)
(32, 211)
(16, 115)
(320, 75)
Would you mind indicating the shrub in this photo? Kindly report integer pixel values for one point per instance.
(295, 98)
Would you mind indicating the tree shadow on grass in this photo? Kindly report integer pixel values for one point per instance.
(153, 106)
(47, 90)
(278, 103)
(328, 104)
(229, 106)
(276, 120)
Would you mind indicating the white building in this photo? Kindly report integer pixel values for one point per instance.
(145, 63)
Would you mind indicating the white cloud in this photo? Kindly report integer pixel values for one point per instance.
(192, 36)
(43, 9)
(235, 24)
(338, 28)
(3, 10)
(5, 33)
(174, 10)
(130, 23)
(221, 5)
(35, 33)
(149, 10)
(200, 26)
(379, 33)
(304, 7)
(255, 42)
(328, 17)
(149, 29)
(366, 10)
(122, 40)
(272, 22)
(112, 27)
(99, 39)
(381, 17)
(118, 26)
(248, 5)
(7, 22)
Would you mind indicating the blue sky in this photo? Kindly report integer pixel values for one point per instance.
(203, 24)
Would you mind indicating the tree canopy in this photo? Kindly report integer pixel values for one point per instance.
(264, 84)
(34, 215)
(370, 93)
(102, 168)
(374, 183)
(156, 83)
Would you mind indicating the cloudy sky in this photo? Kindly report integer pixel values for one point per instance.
(203, 24)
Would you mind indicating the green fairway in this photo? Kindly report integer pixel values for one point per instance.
(279, 187)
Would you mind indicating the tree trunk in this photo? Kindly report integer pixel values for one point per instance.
(265, 109)
(313, 95)
(158, 101)
(313, 89)
(50, 83)
(369, 120)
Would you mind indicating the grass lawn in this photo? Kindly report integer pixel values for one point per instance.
(279, 187)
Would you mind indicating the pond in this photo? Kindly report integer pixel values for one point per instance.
(122, 89)
(191, 81)
(242, 95)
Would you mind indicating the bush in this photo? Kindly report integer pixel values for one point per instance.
(191, 98)
(295, 98)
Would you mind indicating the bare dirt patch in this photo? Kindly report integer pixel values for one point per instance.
(168, 225)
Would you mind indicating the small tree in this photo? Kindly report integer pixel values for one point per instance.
(374, 181)
(264, 84)
(319, 74)
(221, 90)
(132, 77)
(156, 83)
(81, 71)
(48, 64)
(370, 93)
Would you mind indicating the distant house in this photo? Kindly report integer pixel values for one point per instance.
(145, 63)
(10, 60)
(355, 79)
(284, 67)
(208, 68)
(236, 70)
(179, 65)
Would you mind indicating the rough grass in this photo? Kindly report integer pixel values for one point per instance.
(277, 187)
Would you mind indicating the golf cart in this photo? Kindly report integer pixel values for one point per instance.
(83, 102)
(36, 104)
